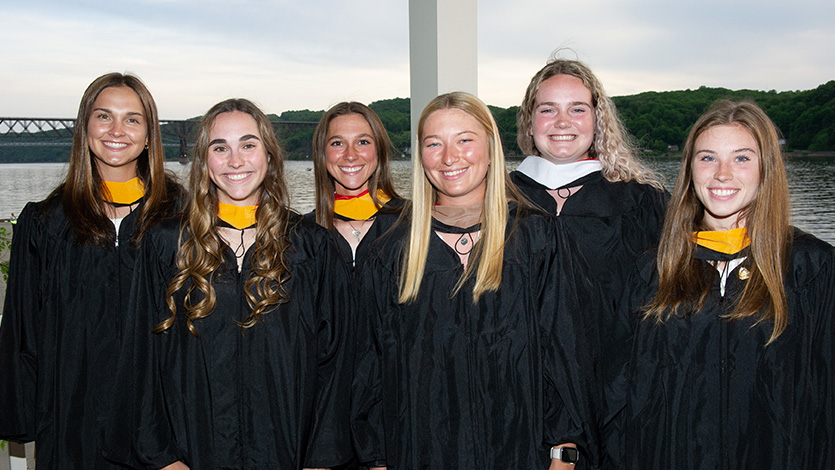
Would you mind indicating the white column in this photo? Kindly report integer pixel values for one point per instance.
(443, 51)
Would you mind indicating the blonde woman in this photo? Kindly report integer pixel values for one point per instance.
(249, 365)
(581, 167)
(732, 359)
(472, 349)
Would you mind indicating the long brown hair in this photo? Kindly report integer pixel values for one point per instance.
(611, 146)
(81, 191)
(684, 281)
(201, 252)
(380, 179)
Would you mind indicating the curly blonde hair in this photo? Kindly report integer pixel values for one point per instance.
(612, 145)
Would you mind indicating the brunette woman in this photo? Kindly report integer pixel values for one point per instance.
(249, 367)
(71, 265)
(355, 194)
(732, 363)
(472, 341)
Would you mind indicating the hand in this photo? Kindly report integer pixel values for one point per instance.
(560, 465)
(178, 465)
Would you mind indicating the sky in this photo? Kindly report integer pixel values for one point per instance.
(311, 54)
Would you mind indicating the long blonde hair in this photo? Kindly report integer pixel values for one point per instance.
(201, 251)
(487, 256)
(684, 282)
(612, 145)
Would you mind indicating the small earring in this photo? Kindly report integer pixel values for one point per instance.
(146, 145)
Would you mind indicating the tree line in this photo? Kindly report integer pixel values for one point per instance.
(656, 121)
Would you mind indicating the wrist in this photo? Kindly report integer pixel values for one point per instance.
(565, 454)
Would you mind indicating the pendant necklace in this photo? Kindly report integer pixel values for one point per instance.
(464, 244)
(355, 231)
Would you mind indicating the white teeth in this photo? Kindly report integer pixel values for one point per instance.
(453, 172)
(562, 137)
(115, 145)
(237, 176)
(723, 192)
(351, 169)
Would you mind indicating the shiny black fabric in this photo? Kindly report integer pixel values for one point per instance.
(386, 217)
(275, 395)
(707, 393)
(60, 336)
(443, 383)
(612, 223)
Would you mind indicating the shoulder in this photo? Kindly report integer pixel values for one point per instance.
(307, 238)
(809, 259)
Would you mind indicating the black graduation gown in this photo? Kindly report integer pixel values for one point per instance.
(386, 217)
(275, 395)
(443, 383)
(708, 393)
(60, 336)
(612, 223)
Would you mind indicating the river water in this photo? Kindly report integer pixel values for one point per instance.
(811, 184)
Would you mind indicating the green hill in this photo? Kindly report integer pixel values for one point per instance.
(656, 120)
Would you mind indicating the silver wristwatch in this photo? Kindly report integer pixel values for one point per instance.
(568, 455)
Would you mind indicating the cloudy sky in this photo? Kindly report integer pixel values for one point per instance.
(297, 54)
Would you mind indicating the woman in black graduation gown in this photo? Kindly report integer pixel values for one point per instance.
(250, 368)
(732, 363)
(472, 349)
(582, 168)
(355, 194)
(70, 271)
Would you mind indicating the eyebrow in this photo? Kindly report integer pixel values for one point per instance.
(130, 113)
(242, 139)
(456, 135)
(339, 136)
(739, 150)
(573, 103)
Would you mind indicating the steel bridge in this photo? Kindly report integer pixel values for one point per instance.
(56, 132)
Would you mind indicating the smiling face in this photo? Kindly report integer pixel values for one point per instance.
(237, 158)
(563, 120)
(726, 174)
(117, 133)
(454, 153)
(350, 153)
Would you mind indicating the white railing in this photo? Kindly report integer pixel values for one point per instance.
(27, 451)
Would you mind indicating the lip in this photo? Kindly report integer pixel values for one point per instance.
(239, 176)
(351, 170)
(453, 174)
(115, 145)
(562, 137)
(723, 193)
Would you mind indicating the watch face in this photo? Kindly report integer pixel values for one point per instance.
(570, 455)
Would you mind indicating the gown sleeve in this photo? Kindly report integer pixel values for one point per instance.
(330, 438)
(568, 306)
(820, 430)
(18, 348)
(142, 436)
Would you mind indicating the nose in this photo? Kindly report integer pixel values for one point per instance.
(562, 121)
(723, 172)
(350, 153)
(235, 159)
(117, 129)
(449, 156)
